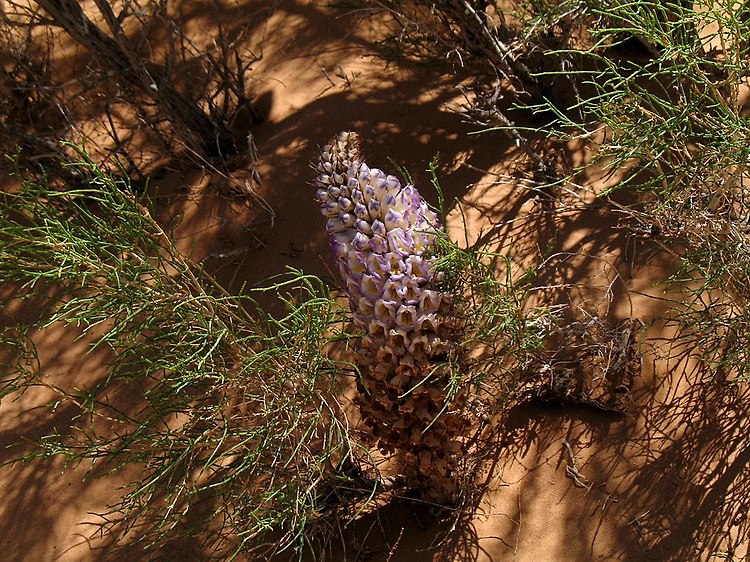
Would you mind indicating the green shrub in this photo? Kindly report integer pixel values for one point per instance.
(236, 419)
(231, 414)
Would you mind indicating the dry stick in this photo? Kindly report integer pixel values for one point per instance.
(228, 81)
(510, 65)
(609, 498)
(636, 522)
(490, 115)
(213, 136)
(33, 140)
(395, 546)
(120, 145)
(41, 149)
(572, 470)
(520, 520)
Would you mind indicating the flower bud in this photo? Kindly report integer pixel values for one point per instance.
(335, 224)
(331, 208)
(393, 185)
(361, 242)
(363, 226)
(347, 219)
(361, 211)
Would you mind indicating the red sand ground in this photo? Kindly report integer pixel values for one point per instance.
(667, 481)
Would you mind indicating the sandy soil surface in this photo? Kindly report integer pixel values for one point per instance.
(667, 480)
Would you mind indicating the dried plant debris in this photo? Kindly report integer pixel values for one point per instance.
(591, 365)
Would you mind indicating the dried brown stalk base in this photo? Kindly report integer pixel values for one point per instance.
(408, 419)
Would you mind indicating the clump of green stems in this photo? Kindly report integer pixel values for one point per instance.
(236, 419)
(670, 123)
(501, 332)
(231, 412)
(657, 91)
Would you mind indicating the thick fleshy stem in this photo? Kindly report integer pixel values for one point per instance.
(383, 236)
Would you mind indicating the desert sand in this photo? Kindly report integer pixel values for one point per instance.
(666, 479)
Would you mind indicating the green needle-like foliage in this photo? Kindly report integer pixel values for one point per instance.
(659, 96)
(230, 414)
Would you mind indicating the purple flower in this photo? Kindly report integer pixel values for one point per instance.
(371, 287)
(385, 309)
(406, 317)
(379, 245)
(382, 235)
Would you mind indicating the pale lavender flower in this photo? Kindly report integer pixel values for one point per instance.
(382, 235)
